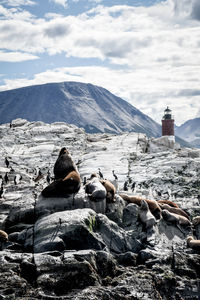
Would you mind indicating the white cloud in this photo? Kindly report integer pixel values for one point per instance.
(16, 56)
(153, 52)
(14, 14)
(60, 2)
(141, 89)
(94, 1)
(18, 2)
(53, 15)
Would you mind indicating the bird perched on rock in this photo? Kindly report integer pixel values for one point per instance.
(6, 179)
(1, 191)
(100, 173)
(115, 176)
(48, 178)
(7, 162)
(84, 181)
(15, 180)
(126, 186)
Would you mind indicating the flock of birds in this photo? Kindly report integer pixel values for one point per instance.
(5, 179)
(149, 208)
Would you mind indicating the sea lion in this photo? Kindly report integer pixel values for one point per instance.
(110, 189)
(63, 187)
(196, 220)
(192, 243)
(174, 218)
(95, 189)
(170, 203)
(72, 182)
(175, 210)
(64, 164)
(145, 215)
(3, 236)
(153, 205)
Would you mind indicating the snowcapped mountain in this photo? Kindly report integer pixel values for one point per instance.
(84, 105)
(190, 131)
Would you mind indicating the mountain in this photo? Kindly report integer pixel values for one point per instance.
(190, 131)
(84, 105)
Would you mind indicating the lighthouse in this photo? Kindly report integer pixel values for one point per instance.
(167, 123)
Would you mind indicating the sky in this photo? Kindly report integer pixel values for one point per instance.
(144, 51)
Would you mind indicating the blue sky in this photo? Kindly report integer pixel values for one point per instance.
(145, 51)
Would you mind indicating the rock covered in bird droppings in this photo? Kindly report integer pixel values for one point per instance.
(72, 247)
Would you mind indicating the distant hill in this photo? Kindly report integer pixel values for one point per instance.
(84, 105)
(190, 131)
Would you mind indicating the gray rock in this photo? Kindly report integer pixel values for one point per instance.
(66, 230)
(116, 239)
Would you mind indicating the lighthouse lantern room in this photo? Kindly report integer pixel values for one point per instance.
(167, 123)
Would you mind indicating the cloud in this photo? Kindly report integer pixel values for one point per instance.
(60, 2)
(56, 30)
(94, 1)
(187, 9)
(53, 15)
(150, 54)
(14, 13)
(16, 56)
(18, 2)
(141, 89)
(188, 93)
(196, 10)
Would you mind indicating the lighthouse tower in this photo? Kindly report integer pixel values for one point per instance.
(167, 123)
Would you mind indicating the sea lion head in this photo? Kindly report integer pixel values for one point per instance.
(3, 236)
(93, 175)
(189, 239)
(63, 151)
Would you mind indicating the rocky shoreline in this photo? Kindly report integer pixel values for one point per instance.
(64, 248)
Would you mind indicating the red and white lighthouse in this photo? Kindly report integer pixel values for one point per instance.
(167, 123)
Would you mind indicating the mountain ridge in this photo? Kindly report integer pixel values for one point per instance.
(190, 131)
(85, 105)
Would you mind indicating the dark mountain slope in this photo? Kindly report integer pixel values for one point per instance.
(85, 105)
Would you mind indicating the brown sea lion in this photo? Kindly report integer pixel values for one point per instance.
(145, 215)
(175, 210)
(72, 182)
(192, 243)
(153, 205)
(63, 187)
(196, 220)
(170, 203)
(174, 218)
(64, 164)
(110, 189)
(3, 236)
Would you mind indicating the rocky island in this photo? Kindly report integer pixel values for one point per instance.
(79, 247)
